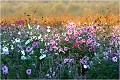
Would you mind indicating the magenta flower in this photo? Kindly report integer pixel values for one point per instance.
(28, 71)
(20, 22)
(5, 69)
(35, 44)
(28, 49)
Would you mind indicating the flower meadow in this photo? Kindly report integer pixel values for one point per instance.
(67, 51)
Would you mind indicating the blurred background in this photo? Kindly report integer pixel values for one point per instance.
(58, 7)
(22, 8)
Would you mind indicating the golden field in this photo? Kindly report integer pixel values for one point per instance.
(53, 12)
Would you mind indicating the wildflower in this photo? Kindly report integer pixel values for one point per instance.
(19, 47)
(88, 41)
(35, 44)
(114, 59)
(12, 47)
(53, 74)
(65, 48)
(60, 49)
(38, 26)
(75, 45)
(5, 50)
(23, 52)
(69, 32)
(39, 37)
(56, 54)
(52, 41)
(94, 27)
(66, 39)
(20, 22)
(23, 57)
(67, 60)
(83, 61)
(42, 56)
(28, 71)
(48, 29)
(28, 41)
(28, 49)
(5, 69)
(82, 41)
(85, 66)
(29, 27)
(17, 40)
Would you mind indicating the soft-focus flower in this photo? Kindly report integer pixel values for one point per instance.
(28, 71)
(88, 41)
(35, 44)
(5, 50)
(66, 39)
(5, 69)
(23, 52)
(17, 40)
(20, 22)
(42, 56)
(28, 49)
(23, 57)
(82, 41)
(85, 66)
(67, 60)
(114, 59)
(28, 41)
(69, 32)
(65, 48)
(48, 30)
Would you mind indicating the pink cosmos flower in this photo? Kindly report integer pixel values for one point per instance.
(82, 41)
(88, 41)
(60, 49)
(65, 48)
(69, 32)
(28, 49)
(66, 39)
(35, 44)
(52, 41)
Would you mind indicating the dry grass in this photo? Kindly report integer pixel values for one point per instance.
(56, 12)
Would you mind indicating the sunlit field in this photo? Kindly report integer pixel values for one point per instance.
(62, 39)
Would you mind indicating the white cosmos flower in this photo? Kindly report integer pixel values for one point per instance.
(23, 52)
(12, 47)
(17, 40)
(48, 30)
(39, 37)
(19, 33)
(28, 41)
(42, 56)
(85, 66)
(29, 27)
(5, 49)
(48, 27)
(23, 58)
(31, 33)
(38, 26)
